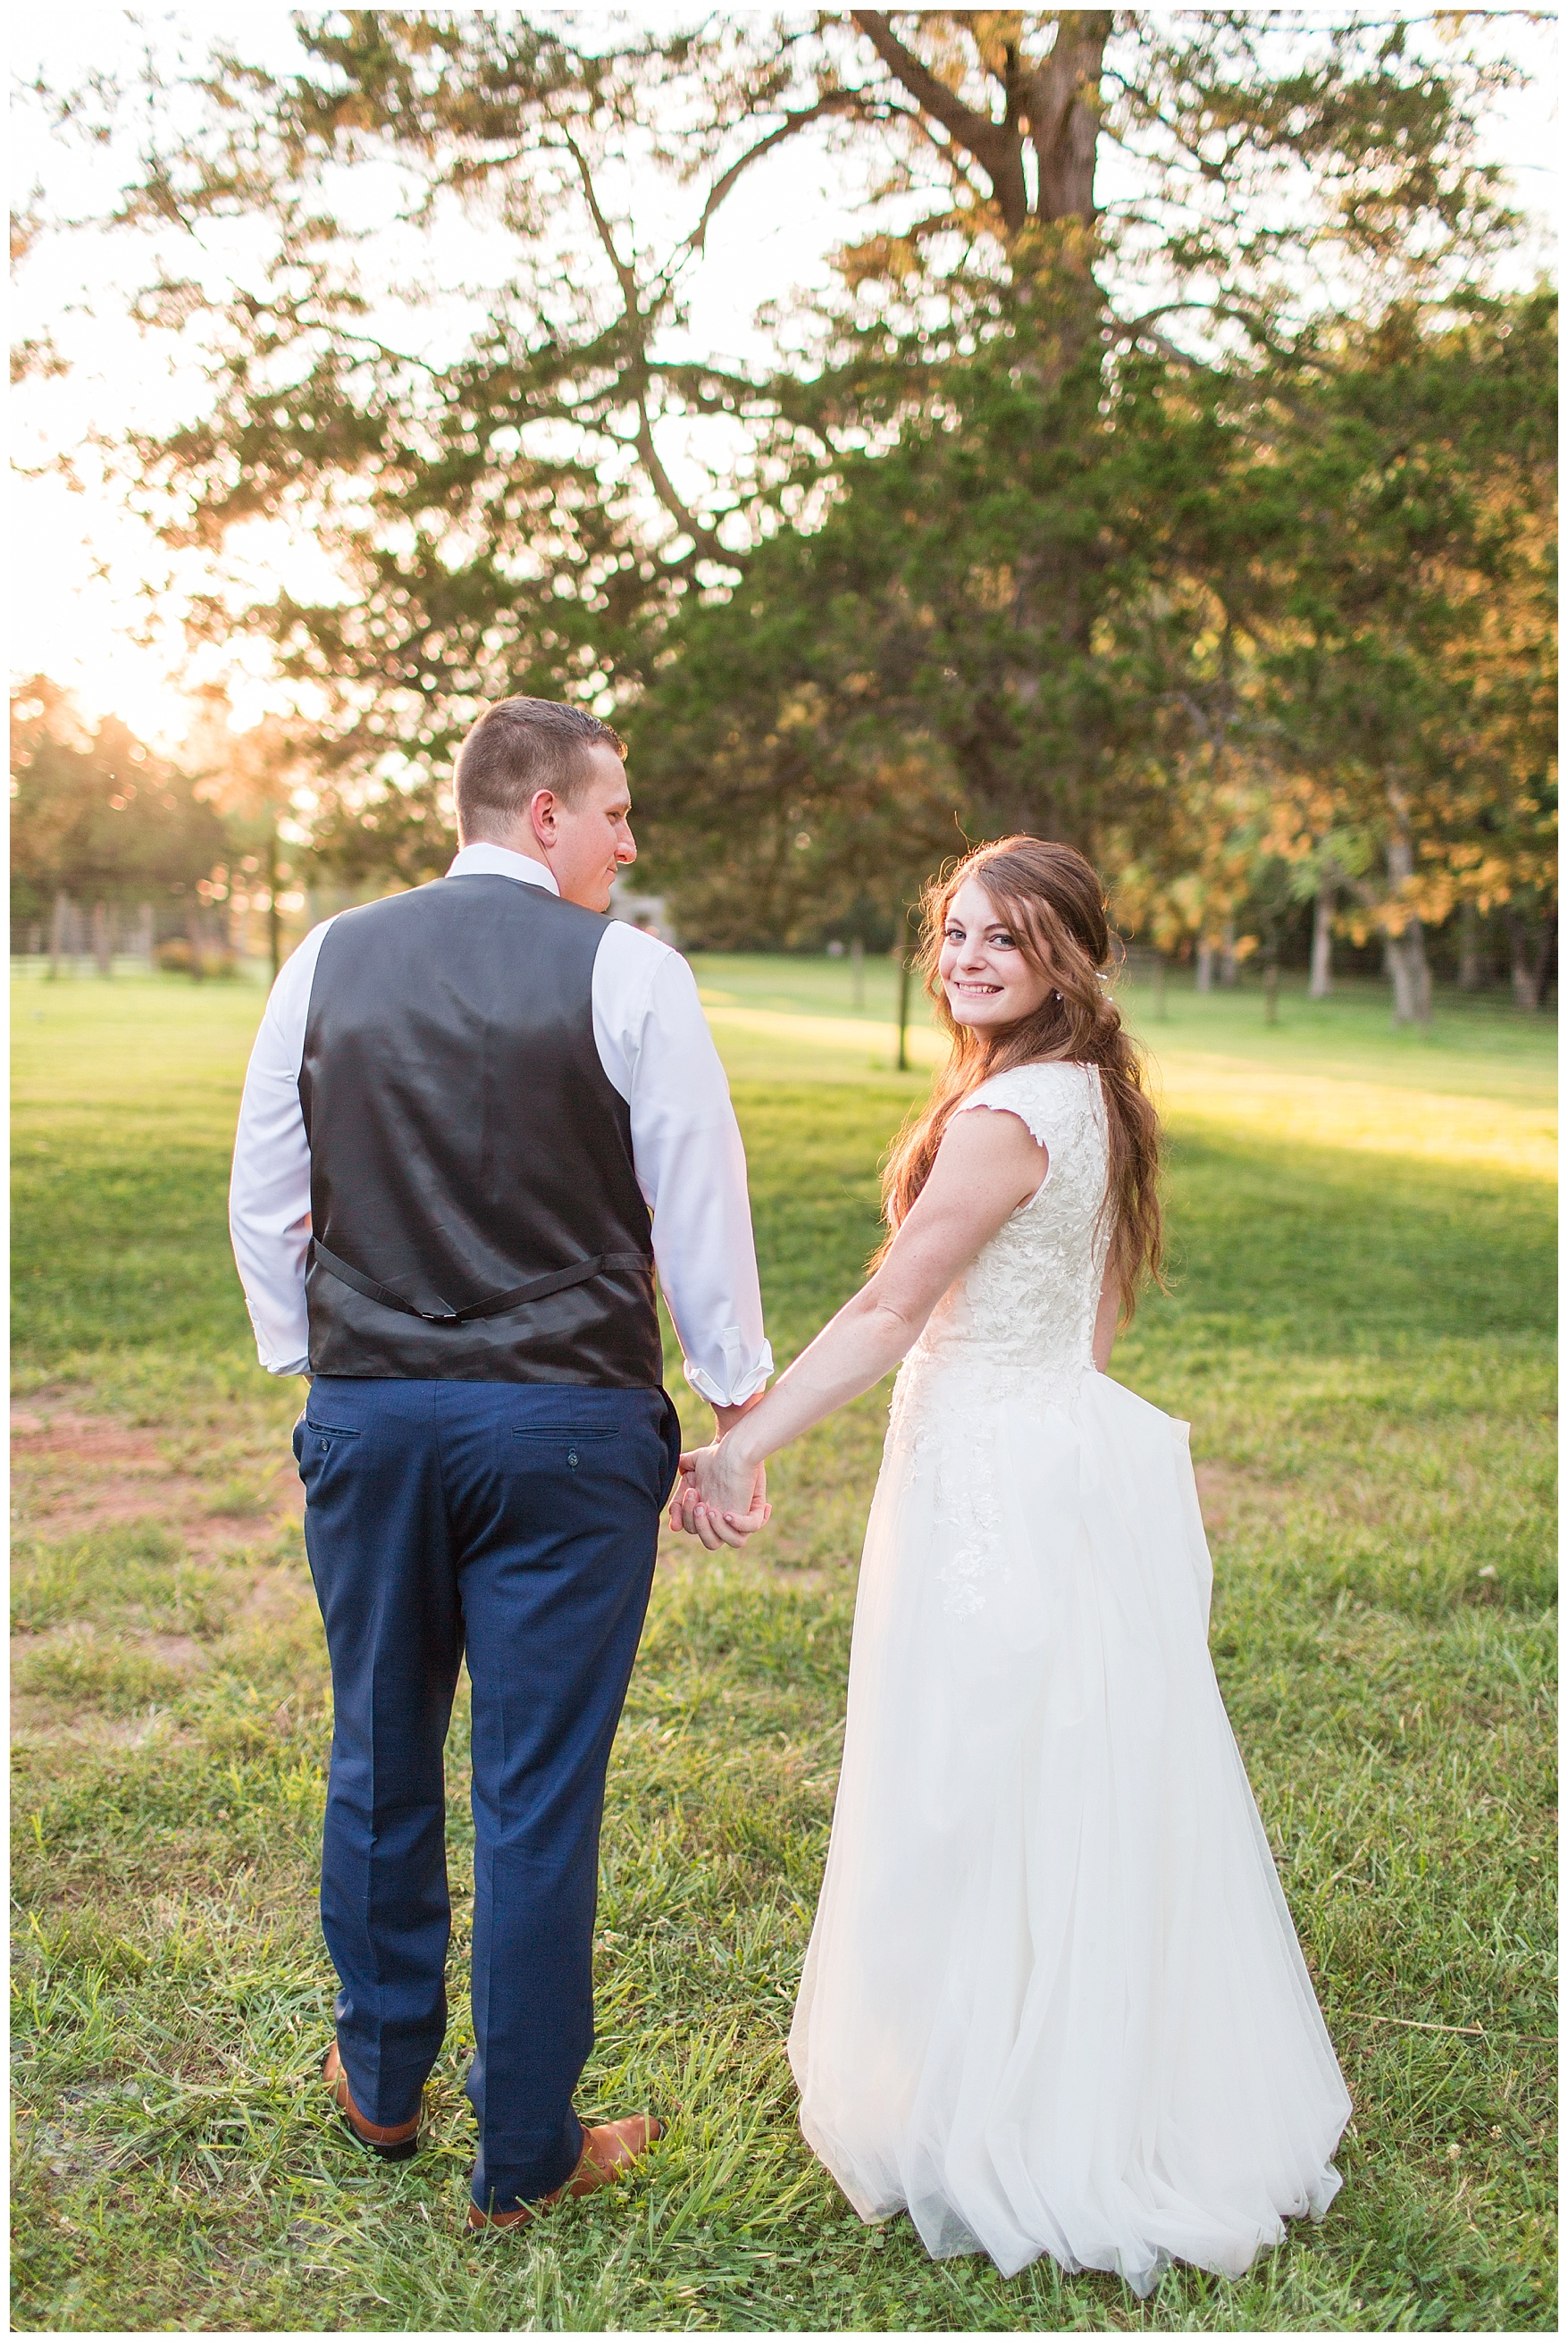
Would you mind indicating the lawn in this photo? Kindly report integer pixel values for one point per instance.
(1361, 1334)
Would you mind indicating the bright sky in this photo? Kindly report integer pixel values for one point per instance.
(80, 559)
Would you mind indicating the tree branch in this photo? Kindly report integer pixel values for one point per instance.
(664, 487)
(700, 535)
(625, 274)
(957, 163)
(839, 100)
(997, 149)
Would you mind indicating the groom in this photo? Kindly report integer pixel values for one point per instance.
(477, 1116)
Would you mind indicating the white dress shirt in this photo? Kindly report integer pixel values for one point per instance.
(657, 1053)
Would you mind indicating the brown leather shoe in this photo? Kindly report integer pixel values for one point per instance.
(394, 2142)
(609, 2151)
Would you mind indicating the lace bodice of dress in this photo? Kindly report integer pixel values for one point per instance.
(1020, 1322)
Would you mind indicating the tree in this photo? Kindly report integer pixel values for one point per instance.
(96, 814)
(1411, 665)
(253, 779)
(512, 520)
(1017, 615)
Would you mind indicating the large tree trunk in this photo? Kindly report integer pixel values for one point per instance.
(1064, 113)
(1407, 967)
(1228, 954)
(1532, 972)
(1057, 105)
(1519, 963)
(1546, 971)
(1472, 975)
(1411, 977)
(1320, 983)
(1205, 976)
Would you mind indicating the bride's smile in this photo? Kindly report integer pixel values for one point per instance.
(988, 979)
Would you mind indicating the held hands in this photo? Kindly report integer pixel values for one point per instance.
(721, 1498)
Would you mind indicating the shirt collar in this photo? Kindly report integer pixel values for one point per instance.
(486, 861)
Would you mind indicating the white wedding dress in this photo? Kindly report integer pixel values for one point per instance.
(1053, 2002)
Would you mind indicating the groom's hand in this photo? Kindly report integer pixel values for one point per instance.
(720, 1501)
(690, 1509)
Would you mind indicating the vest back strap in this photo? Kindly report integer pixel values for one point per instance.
(538, 1288)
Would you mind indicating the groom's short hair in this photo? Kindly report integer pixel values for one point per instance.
(519, 746)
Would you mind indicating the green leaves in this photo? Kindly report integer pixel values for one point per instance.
(1151, 467)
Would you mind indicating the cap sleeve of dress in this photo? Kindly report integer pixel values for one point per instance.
(1053, 1102)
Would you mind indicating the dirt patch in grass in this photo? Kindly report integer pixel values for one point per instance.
(1231, 1497)
(73, 1472)
(173, 1650)
(38, 1717)
(80, 1475)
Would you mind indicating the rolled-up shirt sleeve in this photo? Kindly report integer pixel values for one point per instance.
(269, 1188)
(656, 1048)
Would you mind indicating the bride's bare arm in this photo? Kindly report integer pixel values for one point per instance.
(986, 1167)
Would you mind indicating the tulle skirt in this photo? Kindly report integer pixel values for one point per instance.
(1054, 2001)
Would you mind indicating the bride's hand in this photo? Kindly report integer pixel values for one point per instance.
(721, 1499)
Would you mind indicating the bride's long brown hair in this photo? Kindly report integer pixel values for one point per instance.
(1054, 907)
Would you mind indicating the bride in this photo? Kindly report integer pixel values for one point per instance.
(1053, 2001)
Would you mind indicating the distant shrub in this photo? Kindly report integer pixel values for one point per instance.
(176, 959)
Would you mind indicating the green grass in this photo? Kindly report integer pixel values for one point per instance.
(1362, 1337)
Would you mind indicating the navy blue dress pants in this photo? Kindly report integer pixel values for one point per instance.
(515, 1523)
